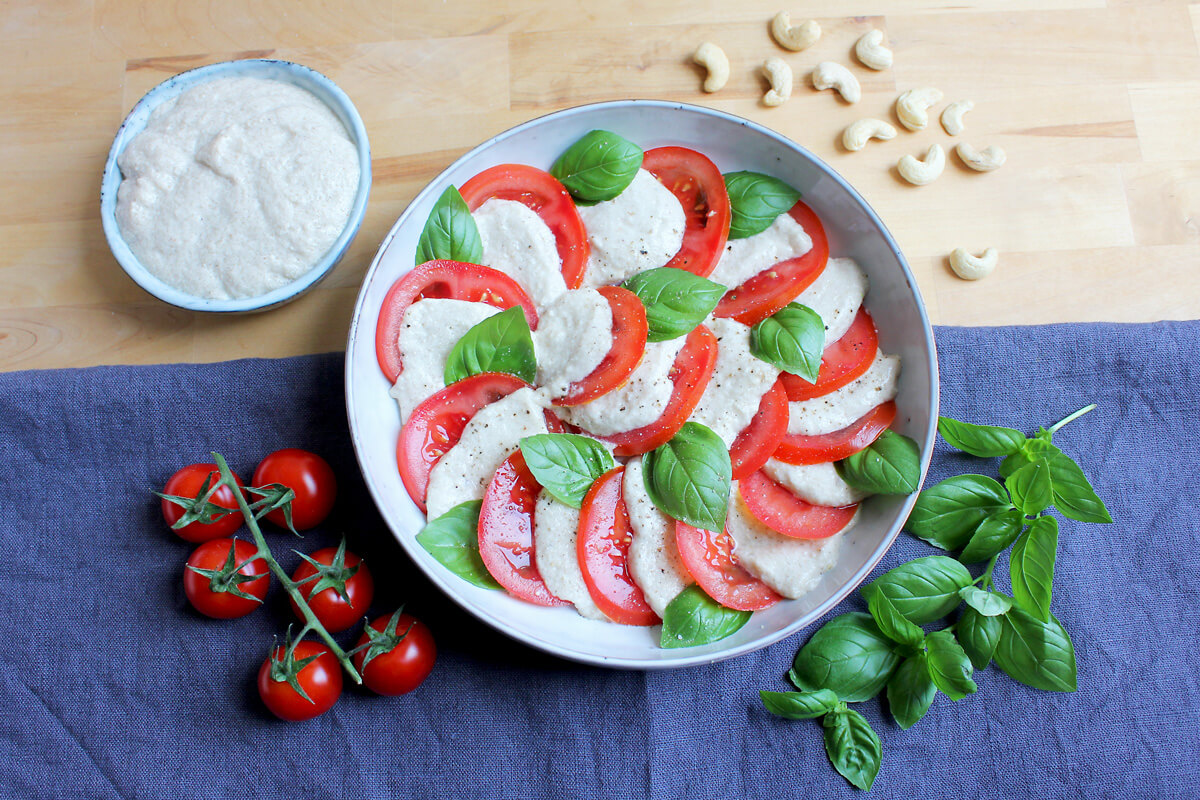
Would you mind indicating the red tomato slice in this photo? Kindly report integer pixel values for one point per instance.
(842, 362)
(783, 512)
(452, 280)
(541, 192)
(506, 532)
(772, 289)
(628, 346)
(689, 377)
(709, 557)
(700, 188)
(839, 444)
(603, 546)
(757, 441)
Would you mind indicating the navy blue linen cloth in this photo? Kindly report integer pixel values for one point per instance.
(112, 687)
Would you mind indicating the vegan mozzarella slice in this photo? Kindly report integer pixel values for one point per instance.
(555, 534)
(518, 243)
(737, 385)
(494, 432)
(573, 337)
(839, 408)
(745, 258)
(654, 562)
(639, 229)
(637, 403)
(836, 296)
(428, 333)
(819, 484)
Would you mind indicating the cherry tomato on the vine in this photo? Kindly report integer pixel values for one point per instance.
(401, 658)
(306, 474)
(233, 582)
(321, 680)
(186, 483)
(339, 567)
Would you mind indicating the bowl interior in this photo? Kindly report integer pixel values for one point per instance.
(733, 144)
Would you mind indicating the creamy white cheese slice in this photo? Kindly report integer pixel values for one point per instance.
(639, 229)
(738, 382)
(819, 484)
(518, 243)
(573, 337)
(836, 296)
(744, 258)
(637, 403)
(654, 562)
(555, 538)
(495, 431)
(428, 332)
(839, 408)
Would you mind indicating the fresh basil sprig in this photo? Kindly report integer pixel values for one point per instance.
(453, 539)
(598, 167)
(450, 232)
(755, 200)
(791, 339)
(676, 301)
(566, 464)
(689, 477)
(850, 656)
(889, 465)
(501, 343)
(693, 618)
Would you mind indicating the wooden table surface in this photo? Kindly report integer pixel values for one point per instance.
(1096, 213)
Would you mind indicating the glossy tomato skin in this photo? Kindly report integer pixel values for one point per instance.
(700, 188)
(213, 555)
(603, 550)
(842, 362)
(321, 679)
(754, 445)
(709, 558)
(404, 667)
(630, 328)
(781, 511)
(186, 483)
(841, 444)
(306, 474)
(336, 614)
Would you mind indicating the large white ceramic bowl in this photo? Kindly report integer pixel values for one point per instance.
(734, 144)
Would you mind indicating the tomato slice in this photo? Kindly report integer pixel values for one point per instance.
(628, 344)
(839, 444)
(772, 289)
(506, 532)
(700, 188)
(754, 445)
(544, 195)
(452, 280)
(689, 377)
(709, 557)
(842, 362)
(783, 512)
(603, 547)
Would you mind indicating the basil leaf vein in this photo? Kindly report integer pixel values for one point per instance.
(693, 618)
(566, 464)
(755, 200)
(500, 343)
(453, 539)
(450, 232)
(889, 465)
(792, 339)
(689, 477)
(598, 167)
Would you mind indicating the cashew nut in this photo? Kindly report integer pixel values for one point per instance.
(829, 75)
(712, 58)
(986, 160)
(919, 172)
(912, 107)
(857, 134)
(952, 117)
(871, 52)
(794, 38)
(780, 75)
(972, 268)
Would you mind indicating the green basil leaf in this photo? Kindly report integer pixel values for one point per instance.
(688, 478)
(945, 515)
(852, 747)
(791, 339)
(598, 167)
(693, 618)
(799, 705)
(450, 232)
(993, 535)
(848, 655)
(453, 539)
(890, 465)
(924, 589)
(985, 441)
(890, 621)
(1030, 487)
(501, 343)
(949, 666)
(978, 636)
(799, 682)
(755, 200)
(989, 604)
(676, 301)
(1032, 450)
(1073, 494)
(566, 464)
(1031, 567)
(910, 691)
(1036, 653)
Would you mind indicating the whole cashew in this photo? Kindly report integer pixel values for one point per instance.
(972, 268)
(712, 58)
(919, 172)
(985, 160)
(952, 117)
(794, 38)
(871, 52)
(857, 134)
(829, 75)
(780, 75)
(912, 107)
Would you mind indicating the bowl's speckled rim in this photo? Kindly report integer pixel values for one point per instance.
(288, 72)
(926, 441)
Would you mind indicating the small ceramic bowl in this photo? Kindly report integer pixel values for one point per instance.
(314, 82)
(853, 230)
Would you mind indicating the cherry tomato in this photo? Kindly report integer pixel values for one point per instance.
(212, 595)
(839, 444)
(842, 362)
(321, 680)
(442, 279)
(754, 445)
(628, 345)
(709, 558)
(544, 195)
(700, 188)
(406, 664)
(334, 612)
(186, 483)
(603, 547)
(306, 474)
(783, 512)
